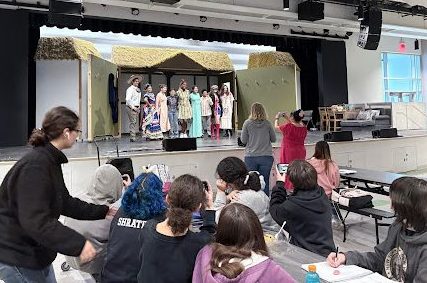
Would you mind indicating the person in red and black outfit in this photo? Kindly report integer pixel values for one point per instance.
(32, 197)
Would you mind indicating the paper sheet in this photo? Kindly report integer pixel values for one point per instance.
(372, 278)
(346, 272)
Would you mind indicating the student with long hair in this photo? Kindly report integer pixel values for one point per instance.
(239, 253)
(227, 103)
(258, 134)
(236, 184)
(328, 175)
(184, 107)
(32, 197)
(196, 130)
(294, 132)
(307, 211)
(142, 201)
(402, 257)
(169, 248)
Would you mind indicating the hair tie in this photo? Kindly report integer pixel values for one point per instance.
(246, 180)
(301, 114)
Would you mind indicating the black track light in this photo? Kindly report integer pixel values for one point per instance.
(285, 5)
(134, 11)
(360, 13)
(416, 44)
(203, 19)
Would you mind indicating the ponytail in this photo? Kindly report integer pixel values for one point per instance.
(179, 219)
(233, 170)
(38, 138)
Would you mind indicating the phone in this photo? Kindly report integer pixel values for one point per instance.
(282, 168)
(205, 185)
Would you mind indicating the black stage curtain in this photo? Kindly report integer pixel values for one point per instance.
(304, 50)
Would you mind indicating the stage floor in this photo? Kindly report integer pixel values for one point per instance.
(107, 148)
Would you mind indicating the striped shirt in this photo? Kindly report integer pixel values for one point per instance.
(206, 106)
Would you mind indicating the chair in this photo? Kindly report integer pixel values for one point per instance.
(334, 120)
(308, 119)
(323, 118)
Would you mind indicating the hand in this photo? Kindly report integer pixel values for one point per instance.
(233, 196)
(280, 176)
(221, 185)
(127, 181)
(88, 252)
(111, 212)
(334, 261)
(277, 115)
(209, 198)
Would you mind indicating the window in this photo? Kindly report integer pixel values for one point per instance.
(402, 77)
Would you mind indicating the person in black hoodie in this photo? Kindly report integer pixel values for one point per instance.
(307, 210)
(32, 197)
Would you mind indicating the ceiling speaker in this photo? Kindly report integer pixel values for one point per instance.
(311, 11)
(169, 2)
(65, 13)
(370, 29)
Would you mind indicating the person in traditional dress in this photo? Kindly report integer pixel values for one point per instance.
(227, 101)
(133, 103)
(162, 109)
(151, 118)
(184, 107)
(206, 112)
(216, 111)
(196, 130)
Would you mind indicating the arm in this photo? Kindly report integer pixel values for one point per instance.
(35, 215)
(158, 103)
(210, 101)
(244, 136)
(421, 273)
(272, 133)
(128, 97)
(220, 199)
(278, 210)
(337, 176)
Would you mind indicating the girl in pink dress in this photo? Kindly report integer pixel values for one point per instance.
(294, 132)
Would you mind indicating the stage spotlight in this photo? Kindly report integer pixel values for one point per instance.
(285, 5)
(276, 26)
(326, 32)
(349, 33)
(135, 11)
(203, 19)
(416, 44)
(360, 13)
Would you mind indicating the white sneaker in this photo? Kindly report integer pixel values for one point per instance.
(181, 135)
(184, 136)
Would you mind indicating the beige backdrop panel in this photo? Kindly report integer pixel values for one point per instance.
(274, 87)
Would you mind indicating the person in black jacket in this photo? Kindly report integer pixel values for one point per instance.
(169, 249)
(32, 197)
(307, 211)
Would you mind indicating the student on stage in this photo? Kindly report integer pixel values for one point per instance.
(169, 248)
(257, 135)
(402, 257)
(162, 109)
(133, 103)
(307, 211)
(207, 104)
(239, 253)
(227, 103)
(216, 112)
(184, 107)
(294, 132)
(142, 201)
(172, 101)
(236, 184)
(151, 119)
(32, 197)
(196, 130)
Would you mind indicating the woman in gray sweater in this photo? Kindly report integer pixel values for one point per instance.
(258, 134)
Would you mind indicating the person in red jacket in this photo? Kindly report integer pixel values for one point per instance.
(32, 197)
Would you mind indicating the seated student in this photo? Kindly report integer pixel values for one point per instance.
(105, 189)
(307, 211)
(237, 184)
(402, 257)
(169, 248)
(143, 200)
(239, 253)
(328, 174)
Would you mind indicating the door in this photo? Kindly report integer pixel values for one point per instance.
(357, 159)
(416, 116)
(342, 159)
(400, 120)
(399, 159)
(410, 158)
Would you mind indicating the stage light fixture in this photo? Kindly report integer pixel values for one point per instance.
(134, 11)
(416, 44)
(326, 32)
(349, 33)
(360, 13)
(203, 19)
(285, 5)
(276, 26)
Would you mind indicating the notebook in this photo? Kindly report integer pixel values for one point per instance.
(346, 272)
(372, 278)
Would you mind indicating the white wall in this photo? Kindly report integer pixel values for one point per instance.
(57, 84)
(364, 73)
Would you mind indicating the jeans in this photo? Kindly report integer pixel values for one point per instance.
(206, 124)
(263, 165)
(133, 122)
(15, 274)
(173, 120)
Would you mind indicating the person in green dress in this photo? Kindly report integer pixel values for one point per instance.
(196, 130)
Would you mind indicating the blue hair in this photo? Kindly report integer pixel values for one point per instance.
(143, 199)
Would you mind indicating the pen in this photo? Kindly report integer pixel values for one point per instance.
(336, 253)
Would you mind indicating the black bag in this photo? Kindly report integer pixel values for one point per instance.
(353, 198)
(240, 143)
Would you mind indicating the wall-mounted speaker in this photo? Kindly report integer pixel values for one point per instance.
(182, 144)
(67, 13)
(311, 11)
(370, 29)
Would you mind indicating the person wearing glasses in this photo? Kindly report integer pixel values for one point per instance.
(32, 197)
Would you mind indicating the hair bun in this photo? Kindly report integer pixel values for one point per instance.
(38, 138)
(179, 219)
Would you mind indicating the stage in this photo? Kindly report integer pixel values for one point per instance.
(400, 154)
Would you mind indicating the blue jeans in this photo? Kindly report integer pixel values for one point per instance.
(262, 164)
(173, 121)
(15, 274)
